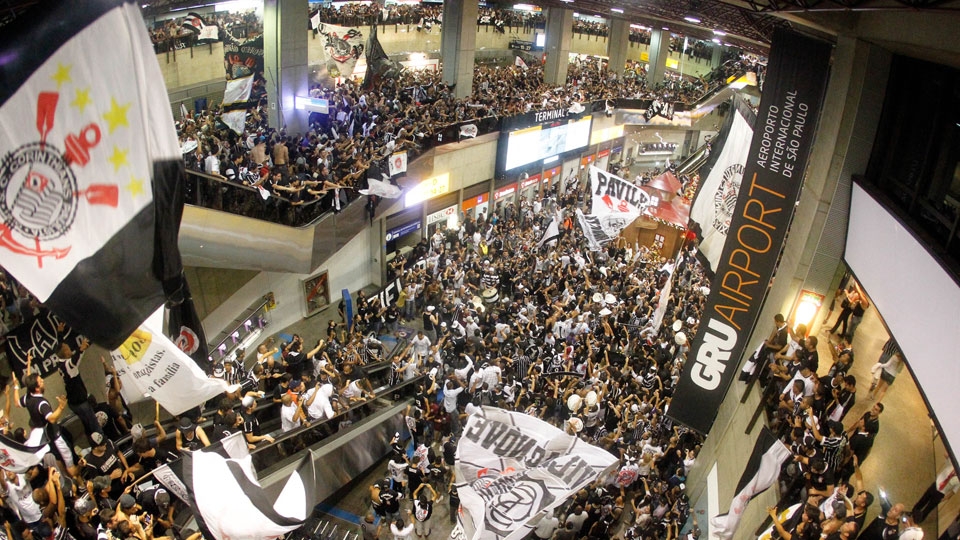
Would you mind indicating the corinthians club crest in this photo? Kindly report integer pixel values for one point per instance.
(725, 199)
(39, 194)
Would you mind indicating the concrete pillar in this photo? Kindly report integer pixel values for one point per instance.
(659, 52)
(717, 54)
(618, 44)
(458, 45)
(285, 62)
(559, 36)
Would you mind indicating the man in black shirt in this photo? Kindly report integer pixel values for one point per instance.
(251, 425)
(156, 502)
(43, 415)
(104, 460)
(68, 362)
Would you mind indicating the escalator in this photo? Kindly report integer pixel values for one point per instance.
(693, 162)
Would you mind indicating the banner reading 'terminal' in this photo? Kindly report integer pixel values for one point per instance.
(783, 136)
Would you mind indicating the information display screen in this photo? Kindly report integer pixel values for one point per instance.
(538, 142)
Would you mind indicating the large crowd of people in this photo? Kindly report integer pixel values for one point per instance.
(301, 176)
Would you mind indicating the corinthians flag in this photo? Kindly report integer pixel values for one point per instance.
(90, 169)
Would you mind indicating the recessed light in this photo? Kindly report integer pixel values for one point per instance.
(693, 20)
(719, 33)
(616, 10)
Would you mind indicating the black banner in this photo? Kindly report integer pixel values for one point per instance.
(389, 293)
(783, 135)
(40, 336)
(242, 58)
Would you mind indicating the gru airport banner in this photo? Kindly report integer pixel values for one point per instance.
(772, 177)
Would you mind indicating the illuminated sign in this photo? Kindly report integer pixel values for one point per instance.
(316, 105)
(403, 230)
(533, 180)
(606, 134)
(428, 189)
(442, 215)
(504, 192)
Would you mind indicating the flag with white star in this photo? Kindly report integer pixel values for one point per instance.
(90, 168)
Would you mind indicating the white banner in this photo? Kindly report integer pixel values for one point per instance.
(381, 189)
(614, 194)
(343, 47)
(598, 230)
(468, 131)
(513, 469)
(398, 163)
(717, 198)
(150, 365)
(237, 91)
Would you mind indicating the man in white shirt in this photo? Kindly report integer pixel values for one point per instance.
(421, 345)
(318, 402)
(546, 527)
(291, 415)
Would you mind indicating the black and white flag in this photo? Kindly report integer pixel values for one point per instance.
(229, 502)
(721, 177)
(551, 234)
(513, 469)
(17, 457)
(761, 472)
(90, 167)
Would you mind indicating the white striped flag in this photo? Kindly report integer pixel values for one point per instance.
(229, 502)
(520, 63)
(90, 168)
(551, 234)
(761, 472)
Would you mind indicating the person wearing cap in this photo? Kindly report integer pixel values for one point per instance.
(251, 424)
(190, 436)
(82, 522)
(155, 501)
(103, 459)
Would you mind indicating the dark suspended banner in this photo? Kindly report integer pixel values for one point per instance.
(772, 177)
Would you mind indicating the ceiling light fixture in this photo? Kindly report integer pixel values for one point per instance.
(616, 10)
(719, 33)
(691, 19)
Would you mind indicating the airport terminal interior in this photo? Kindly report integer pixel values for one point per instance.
(677, 235)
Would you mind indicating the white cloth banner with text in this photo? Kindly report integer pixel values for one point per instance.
(614, 194)
(513, 469)
(150, 365)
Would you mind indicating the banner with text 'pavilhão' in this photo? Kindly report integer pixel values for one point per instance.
(772, 177)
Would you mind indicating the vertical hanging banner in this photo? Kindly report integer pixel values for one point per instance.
(716, 199)
(772, 177)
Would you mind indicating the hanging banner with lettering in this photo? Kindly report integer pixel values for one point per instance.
(716, 199)
(150, 365)
(598, 230)
(39, 337)
(772, 178)
(390, 293)
(614, 194)
(513, 469)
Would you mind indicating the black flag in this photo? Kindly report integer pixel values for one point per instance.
(379, 65)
